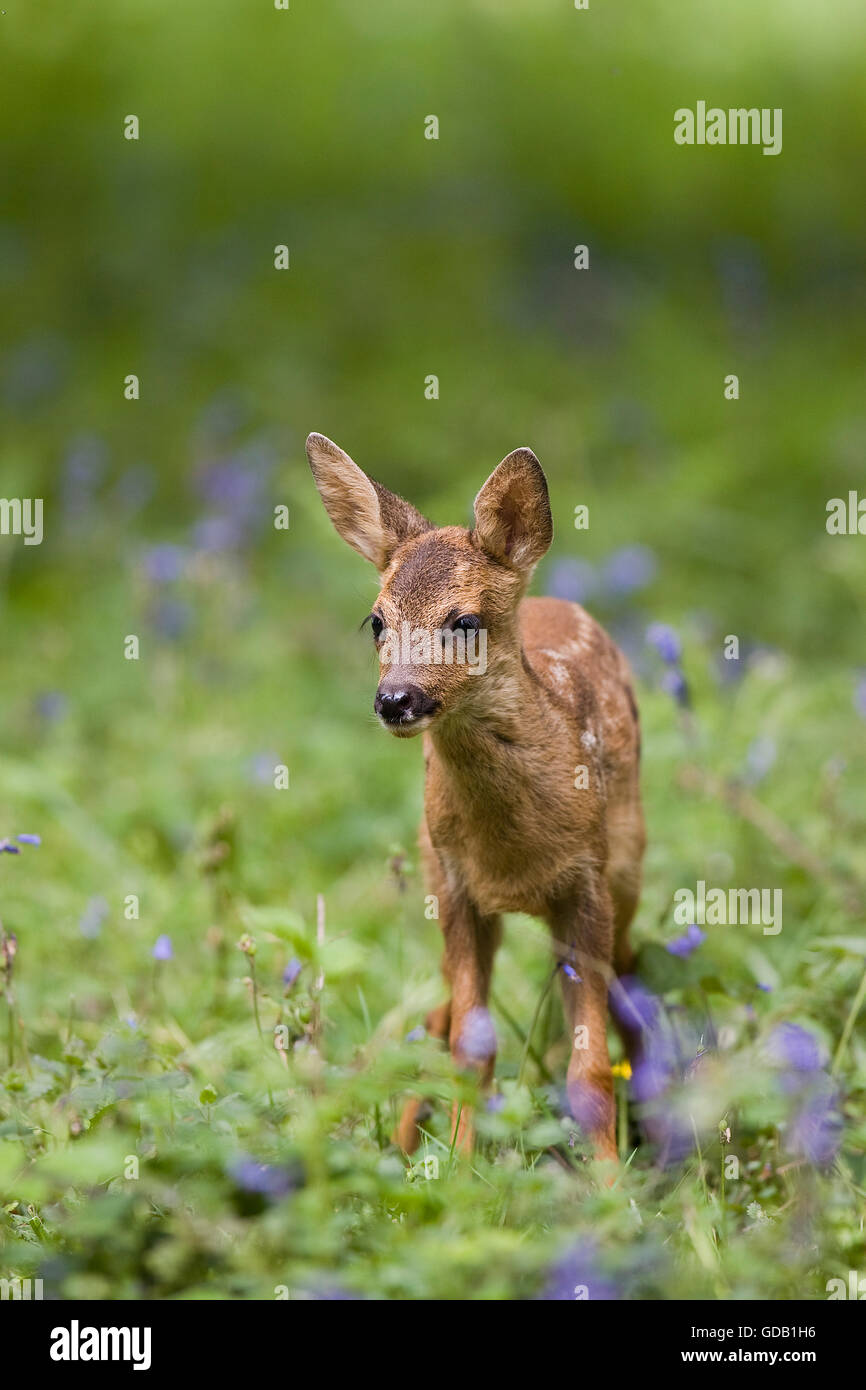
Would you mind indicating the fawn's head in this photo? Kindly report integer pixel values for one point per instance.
(444, 621)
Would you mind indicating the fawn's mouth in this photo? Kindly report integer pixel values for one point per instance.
(408, 725)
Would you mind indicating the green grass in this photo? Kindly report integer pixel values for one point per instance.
(131, 1088)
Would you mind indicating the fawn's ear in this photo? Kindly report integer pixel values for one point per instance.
(512, 512)
(370, 518)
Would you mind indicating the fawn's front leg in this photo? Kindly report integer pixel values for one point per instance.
(583, 936)
(471, 940)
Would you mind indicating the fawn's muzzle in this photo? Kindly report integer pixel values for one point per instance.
(403, 704)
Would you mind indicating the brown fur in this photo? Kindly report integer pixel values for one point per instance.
(505, 828)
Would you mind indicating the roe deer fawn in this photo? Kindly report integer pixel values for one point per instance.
(532, 802)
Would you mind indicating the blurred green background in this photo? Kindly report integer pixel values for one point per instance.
(408, 257)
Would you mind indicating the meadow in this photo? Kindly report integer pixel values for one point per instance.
(216, 955)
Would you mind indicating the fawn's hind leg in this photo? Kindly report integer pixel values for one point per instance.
(628, 840)
(416, 1109)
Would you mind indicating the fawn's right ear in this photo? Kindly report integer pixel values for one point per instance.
(371, 519)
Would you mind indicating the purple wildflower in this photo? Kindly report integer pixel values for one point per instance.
(416, 1034)
(291, 972)
(627, 570)
(633, 1004)
(217, 533)
(578, 1275)
(7, 847)
(478, 1036)
(574, 580)
(816, 1127)
(50, 705)
(334, 1293)
(674, 684)
(164, 563)
(570, 972)
(261, 767)
(495, 1104)
(263, 1179)
(683, 946)
(665, 641)
(171, 618)
(162, 949)
(83, 470)
(795, 1047)
(30, 839)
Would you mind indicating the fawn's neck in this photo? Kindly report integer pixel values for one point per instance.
(498, 741)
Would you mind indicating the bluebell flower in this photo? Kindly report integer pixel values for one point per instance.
(478, 1036)
(264, 1179)
(291, 972)
(162, 949)
(27, 839)
(815, 1129)
(683, 946)
(171, 618)
(416, 1034)
(674, 684)
(627, 570)
(665, 641)
(795, 1047)
(570, 972)
(50, 705)
(82, 473)
(163, 564)
(578, 1275)
(574, 580)
(215, 533)
(636, 1007)
(261, 767)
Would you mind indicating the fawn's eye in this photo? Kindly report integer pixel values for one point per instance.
(376, 625)
(468, 623)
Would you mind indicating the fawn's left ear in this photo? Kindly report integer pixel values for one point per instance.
(512, 512)
(371, 519)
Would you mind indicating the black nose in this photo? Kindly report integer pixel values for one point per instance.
(402, 704)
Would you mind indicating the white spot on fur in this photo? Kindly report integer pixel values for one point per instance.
(557, 672)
